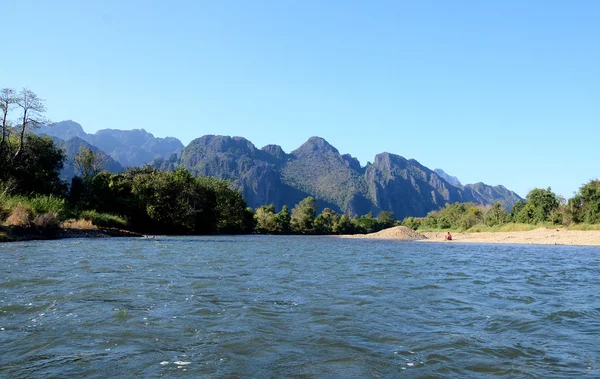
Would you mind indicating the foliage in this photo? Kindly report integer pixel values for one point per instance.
(35, 170)
(303, 216)
(543, 202)
(88, 164)
(412, 222)
(266, 219)
(106, 220)
(284, 219)
(326, 221)
(585, 205)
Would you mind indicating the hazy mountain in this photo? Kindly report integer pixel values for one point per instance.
(72, 147)
(129, 147)
(316, 168)
(450, 179)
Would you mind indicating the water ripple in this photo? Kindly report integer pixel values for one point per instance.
(268, 306)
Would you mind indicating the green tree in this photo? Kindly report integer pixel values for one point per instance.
(283, 220)
(585, 205)
(386, 219)
(88, 164)
(36, 168)
(544, 201)
(303, 216)
(517, 207)
(496, 215)
(527, 214)
(343, 226)
(266, 220)
(326, 221)
(366, 223)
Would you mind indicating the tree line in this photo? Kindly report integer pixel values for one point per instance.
(541, 206)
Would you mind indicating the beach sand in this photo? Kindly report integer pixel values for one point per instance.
(540, 236)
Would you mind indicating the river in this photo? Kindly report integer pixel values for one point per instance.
(280, 306)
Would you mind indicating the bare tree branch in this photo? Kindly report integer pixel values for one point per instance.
(32, 107)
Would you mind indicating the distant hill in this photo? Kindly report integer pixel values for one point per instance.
(72, 147)
(316, 168)
(129, 147)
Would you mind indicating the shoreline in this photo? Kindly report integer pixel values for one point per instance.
(18, 233)
(540, 236)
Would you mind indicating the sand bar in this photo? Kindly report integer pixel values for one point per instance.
(540, 236)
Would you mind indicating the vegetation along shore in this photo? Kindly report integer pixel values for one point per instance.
(37, 203)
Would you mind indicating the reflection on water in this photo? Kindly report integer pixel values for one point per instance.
(266, 306)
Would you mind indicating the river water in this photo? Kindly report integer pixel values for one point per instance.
(274, 306)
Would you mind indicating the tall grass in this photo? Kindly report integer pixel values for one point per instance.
(103, 219)
(39, 204)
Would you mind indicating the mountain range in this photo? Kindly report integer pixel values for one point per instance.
(271, 176)
(129, 147)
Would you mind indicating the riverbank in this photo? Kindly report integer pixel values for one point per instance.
(540, 236)
(18, 233)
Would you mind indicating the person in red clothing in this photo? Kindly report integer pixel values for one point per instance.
(448, 237)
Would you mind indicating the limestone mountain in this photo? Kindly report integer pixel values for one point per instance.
(272, 176)
(450, 179)
(72, 147)
(316, 168)
(129, 147)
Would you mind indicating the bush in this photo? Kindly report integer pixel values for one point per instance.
(47, 220)
(47, 204)
(78, 224)
(20, 216)
(103, 219)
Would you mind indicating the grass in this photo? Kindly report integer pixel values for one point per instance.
(103, 219)
(78, 224)
(39, 204)
(20, 215)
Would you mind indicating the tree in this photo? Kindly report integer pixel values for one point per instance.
(544, 201)
(386, 219)
(266, 219)
(303, 216)
(325, 222)
(586, 203)
(519, 205)
(37, 168)
(7, 100)
(88, 164)
(32, 108)
(283, 219)
(343, 226)
(496, 215)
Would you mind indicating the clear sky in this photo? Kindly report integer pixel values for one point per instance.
(504, 92)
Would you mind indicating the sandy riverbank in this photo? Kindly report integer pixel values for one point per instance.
(541, 236)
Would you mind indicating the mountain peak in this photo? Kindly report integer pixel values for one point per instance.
(450, 179)
(315, 144)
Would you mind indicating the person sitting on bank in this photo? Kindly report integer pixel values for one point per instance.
(448, 237)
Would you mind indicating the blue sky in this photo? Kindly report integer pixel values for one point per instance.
(504, 92)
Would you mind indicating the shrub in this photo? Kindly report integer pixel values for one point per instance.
(20, 216)
(47, 220)
(78, 224)
(47, 204)
(103, 219)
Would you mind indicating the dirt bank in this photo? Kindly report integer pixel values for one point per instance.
(17, 233)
